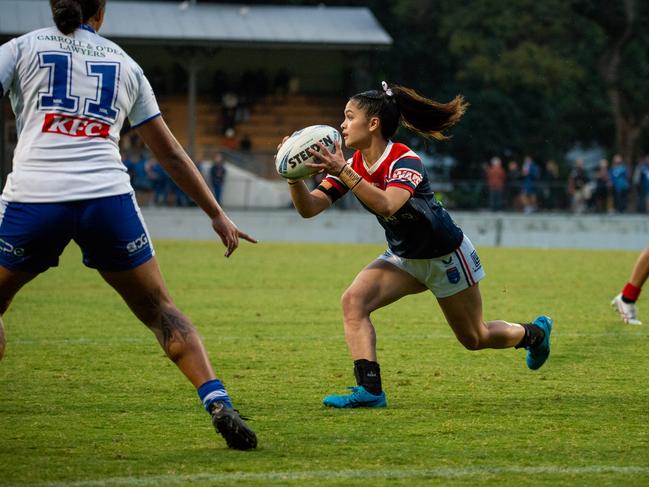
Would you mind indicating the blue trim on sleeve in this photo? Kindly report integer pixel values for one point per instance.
(145, 121)
(408, 163)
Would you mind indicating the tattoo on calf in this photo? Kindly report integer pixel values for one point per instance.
(174, 326)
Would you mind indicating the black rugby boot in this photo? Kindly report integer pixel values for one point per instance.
(232, 427)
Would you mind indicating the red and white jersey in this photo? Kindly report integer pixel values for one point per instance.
(71, 95)
(421, 228)
(398, 166)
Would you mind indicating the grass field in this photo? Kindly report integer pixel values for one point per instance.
(88, 399)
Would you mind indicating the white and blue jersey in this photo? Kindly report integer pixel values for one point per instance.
(71, 94)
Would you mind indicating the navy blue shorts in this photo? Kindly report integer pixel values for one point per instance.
(110, 232)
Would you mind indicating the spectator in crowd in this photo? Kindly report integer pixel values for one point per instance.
(578, 187)
(513, 185)
(553, 189)
(496, 179)
(160, 182)
(294, 85)
(180, 198)
(217, 175)
(641, 181)
(530, 173)
(230, 141)
(620, 183)
(601, 195)
(245, 144)
(229, 104)
(136, 164)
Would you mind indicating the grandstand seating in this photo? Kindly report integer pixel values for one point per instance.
(270, 119)
(273, 117)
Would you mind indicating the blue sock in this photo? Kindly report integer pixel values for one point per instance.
(211, 391)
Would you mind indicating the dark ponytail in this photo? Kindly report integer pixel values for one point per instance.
(396, 105)
(68, 15)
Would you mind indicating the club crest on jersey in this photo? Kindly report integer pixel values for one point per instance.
(453, 275)
(57, 123)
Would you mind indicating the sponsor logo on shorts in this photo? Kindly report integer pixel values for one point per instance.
(453, 275)
(447, 262)
(8, 248)
(137, 244)
(476, 260)
(409, 175)
(57, 123)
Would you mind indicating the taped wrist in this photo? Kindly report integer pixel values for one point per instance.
(350, 177)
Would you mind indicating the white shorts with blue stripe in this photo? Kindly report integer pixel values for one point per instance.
(446, 275)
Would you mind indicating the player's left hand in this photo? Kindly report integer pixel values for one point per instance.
(229, 233)
(330, 162)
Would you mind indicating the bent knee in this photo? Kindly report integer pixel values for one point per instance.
(471, 341)
(354, 303)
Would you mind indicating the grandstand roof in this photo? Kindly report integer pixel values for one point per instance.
(181, 22)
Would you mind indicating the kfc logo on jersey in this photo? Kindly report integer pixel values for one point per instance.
(407, 175)
(57, 123)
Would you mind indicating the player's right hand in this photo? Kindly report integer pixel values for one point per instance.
(229, 233)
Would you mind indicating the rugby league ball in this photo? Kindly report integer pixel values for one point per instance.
(294, 153)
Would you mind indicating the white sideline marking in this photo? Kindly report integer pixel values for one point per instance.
(307, 475)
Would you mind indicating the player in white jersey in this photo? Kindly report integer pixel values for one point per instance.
(71, 91)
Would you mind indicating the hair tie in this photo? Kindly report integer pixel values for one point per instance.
(386, 89)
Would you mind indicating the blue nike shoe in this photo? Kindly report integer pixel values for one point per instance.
(537, 356)
(359, 398)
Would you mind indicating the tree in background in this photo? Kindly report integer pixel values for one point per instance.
(539, 75)
(523, 66)
(623, 65)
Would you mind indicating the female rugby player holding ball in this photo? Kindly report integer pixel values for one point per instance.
(426, 249)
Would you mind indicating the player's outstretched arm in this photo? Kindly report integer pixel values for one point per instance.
(183, 171)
